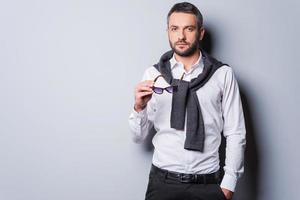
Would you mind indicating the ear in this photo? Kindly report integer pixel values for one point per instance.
(201, 33)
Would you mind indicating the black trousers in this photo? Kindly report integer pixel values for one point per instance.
(162, 188)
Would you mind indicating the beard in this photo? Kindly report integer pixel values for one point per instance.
(193, 47)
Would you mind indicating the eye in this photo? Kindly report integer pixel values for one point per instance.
(173, 28)
(191, 29)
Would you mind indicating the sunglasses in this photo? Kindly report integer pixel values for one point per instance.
(169, 89)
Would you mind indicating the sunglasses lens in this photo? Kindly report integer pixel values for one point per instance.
(175, 88)
(158, 90)
(172, 89)
(169, 89)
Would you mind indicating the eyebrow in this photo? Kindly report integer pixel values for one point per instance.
(184, 26)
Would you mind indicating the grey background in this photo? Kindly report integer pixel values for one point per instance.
(67, 73)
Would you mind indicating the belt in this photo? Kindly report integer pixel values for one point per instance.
(187, 178)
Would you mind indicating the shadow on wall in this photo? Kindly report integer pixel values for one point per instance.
(247, 187)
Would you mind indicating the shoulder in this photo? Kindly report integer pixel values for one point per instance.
(224, 71)
(224, 76)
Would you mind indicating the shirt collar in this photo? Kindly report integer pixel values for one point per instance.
(175, 63)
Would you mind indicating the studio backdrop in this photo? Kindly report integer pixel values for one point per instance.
(67, 75)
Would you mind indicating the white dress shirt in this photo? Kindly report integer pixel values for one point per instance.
(221, 109)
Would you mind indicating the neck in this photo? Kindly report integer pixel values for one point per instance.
(189, 60)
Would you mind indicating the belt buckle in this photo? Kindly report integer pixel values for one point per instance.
(186, 178)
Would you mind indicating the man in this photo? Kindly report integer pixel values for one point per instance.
(190, 98)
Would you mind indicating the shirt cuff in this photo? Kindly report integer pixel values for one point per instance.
(140, 116)
(228, 182)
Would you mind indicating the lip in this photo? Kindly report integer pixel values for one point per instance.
(181, 46)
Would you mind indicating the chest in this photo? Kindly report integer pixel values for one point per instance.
(209, 96)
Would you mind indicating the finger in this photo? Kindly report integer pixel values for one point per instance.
(144, 89)
(145, 85)
(148, 83)
(144, 94)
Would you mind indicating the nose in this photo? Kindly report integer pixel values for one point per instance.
(181, 35)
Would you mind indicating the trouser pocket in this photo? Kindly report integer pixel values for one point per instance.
(221, 193)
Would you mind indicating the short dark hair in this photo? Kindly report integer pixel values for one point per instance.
(186, 7)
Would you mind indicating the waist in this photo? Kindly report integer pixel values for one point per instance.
(183, 161)
(212, 178)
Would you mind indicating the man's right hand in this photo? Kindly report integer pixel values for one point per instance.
(143, 93)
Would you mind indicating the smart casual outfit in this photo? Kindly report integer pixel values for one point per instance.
(188, 125)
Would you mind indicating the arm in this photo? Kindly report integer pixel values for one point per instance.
(140, 123)
(234, 131)
(141, 117)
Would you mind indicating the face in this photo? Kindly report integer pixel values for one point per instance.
(183, 33)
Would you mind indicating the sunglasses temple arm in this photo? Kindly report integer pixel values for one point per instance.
(182, 76)
(157, 78)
